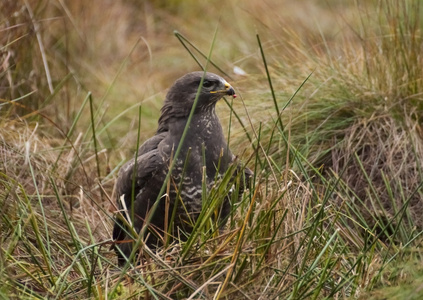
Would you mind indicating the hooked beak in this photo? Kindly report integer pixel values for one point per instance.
(229, 90)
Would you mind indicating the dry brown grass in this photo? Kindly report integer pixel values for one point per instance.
(357, 119)
(386, 173)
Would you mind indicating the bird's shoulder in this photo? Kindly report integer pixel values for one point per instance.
(152, 143)
(148, 161)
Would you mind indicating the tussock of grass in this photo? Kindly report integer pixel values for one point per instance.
(334, 208)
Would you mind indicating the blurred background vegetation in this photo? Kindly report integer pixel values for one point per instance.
(344, 158)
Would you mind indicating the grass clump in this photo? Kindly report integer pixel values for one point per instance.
(359, 116)
(335, 142)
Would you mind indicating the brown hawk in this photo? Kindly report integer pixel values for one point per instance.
(204, 154)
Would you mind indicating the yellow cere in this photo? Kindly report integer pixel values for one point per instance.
(227, 86)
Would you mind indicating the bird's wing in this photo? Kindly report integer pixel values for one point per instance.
(147, 162)
(152, 143)
(247, 174)
(145, 165)
(144, 168)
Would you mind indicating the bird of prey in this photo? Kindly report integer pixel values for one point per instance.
(204, 154)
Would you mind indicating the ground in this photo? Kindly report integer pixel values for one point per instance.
(328, 115)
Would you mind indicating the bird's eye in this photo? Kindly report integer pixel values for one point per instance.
(207, 84)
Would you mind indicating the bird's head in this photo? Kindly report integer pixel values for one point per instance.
(184, 90)
(181, 96)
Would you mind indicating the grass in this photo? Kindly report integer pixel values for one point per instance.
(329, 119)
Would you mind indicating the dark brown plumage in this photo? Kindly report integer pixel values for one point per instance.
(204, 134)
